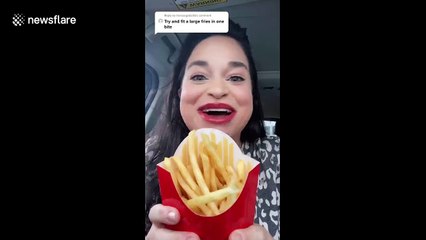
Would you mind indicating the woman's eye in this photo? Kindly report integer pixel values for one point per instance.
(198, 77)
(236, 79)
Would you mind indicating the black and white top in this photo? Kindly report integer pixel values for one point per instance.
(267, 151)
(267, 214)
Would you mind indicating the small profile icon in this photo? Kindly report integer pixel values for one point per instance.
(160, 20)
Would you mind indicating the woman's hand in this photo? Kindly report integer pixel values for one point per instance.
(160, 215)
(254, 232)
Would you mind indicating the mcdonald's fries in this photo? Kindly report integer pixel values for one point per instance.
(207, 176)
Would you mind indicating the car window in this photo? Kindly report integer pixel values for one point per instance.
(269, 127)
(151, 85)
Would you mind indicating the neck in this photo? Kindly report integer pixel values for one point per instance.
(238, 141)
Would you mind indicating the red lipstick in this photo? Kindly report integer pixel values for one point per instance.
(217, 113)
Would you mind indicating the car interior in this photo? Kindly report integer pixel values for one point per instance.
(261, 20)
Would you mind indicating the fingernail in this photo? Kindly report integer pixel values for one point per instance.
(171, 216)
(191, 238)
(236, 236)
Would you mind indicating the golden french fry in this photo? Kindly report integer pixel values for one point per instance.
(195, 167)
(225, 152)
(222, 206)
(185, 173)
(219, 152)
(231, 154)
(213, 180)
(219, 183)
(234, 177)
(205, 137)
(192, 194)
(206, 169)
(197, 172)
(240, 170)
(213, 138)
(217, 161)
(240, 185)
(185, 156)
(213, 196)
(195, 141)
(172, 171)
(199, 159)
(190, 171)
(233, 184)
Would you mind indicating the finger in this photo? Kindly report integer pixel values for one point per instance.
(160, 214)
(254, 232)
(156, 233)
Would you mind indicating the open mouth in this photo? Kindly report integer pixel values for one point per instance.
(217, 112)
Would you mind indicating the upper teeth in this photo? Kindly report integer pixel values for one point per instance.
(217, 110)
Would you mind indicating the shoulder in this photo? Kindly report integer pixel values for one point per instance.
(263, 148)
(268, 142)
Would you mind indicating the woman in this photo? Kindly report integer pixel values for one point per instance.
(215, 86)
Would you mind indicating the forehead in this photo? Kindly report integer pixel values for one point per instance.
(218, 48)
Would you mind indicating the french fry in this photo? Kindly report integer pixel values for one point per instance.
(219, 184)
(197, 149)
(225, 152)
(169, 167)
(192, 194)
(217, 161)
(205, 137)
(219, 152)
(206, 169)
(185, 156)
(197, 172)
(213, 185)
(240, 170)
(233, 184)
(231, 154)
(213, 138)
(205, 176)
(194, 163)
(199, 159)
(213, 196)
(185, 173)
(222, 206)
(191, 172)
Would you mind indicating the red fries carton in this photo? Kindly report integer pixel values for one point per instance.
(239, 215)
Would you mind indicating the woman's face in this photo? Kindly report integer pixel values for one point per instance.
(216, 88)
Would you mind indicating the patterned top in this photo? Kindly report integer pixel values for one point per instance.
(267, 214)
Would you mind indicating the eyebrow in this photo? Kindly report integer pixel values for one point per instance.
(198, 63)
(236, 64)
(233, 64)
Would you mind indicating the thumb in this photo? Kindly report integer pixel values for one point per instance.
(237, 235)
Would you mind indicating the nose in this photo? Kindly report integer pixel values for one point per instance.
(218, 88)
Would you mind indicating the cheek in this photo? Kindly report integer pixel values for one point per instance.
(188, 102)
(244, 99)
(189, 95)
